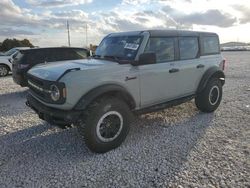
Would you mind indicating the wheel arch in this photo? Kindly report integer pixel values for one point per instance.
(9, 69)
(213, 72)
(105, 90)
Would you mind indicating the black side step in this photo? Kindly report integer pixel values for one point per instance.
(164, 105)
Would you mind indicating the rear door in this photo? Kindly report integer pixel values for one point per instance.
(191, 67)
(210, 50)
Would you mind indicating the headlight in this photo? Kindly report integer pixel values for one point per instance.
(55, 92)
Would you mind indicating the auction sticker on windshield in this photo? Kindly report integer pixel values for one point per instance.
(131, 46)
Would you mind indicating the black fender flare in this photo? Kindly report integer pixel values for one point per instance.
(211, 72)
(112, 89)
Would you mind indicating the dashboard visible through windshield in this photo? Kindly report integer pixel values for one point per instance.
(119, 47)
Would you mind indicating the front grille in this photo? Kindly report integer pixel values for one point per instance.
(38, 87)
(41, 89)
(36, 81)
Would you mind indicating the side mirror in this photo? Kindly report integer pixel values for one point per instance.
(145, 59)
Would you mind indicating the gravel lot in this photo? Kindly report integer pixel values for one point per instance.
(179, 147)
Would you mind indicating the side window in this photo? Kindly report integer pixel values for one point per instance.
(35, 57)
(210, 45)
(162, 47)
(66, 54)
(189, 47)
(81, 53)
(70, 54)
(51, 54)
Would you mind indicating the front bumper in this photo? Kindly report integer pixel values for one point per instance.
(20, 79)
(52, 115)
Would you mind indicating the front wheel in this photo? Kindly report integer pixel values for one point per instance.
(4, 71)
(209, 99)
(106, 124)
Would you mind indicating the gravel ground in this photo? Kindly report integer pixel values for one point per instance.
(179, 147)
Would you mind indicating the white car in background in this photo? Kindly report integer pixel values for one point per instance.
(6, 60)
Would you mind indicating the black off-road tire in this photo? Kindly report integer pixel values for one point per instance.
(4, 70)
(204, 100)
(94, 113)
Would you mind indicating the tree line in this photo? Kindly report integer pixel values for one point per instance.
(7, 44)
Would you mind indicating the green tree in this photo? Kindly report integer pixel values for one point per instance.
(7, 44)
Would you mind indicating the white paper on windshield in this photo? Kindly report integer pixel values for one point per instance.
(131, 46)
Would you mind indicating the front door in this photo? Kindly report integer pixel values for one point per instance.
(158, 81)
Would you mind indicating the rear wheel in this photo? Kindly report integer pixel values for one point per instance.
(4, 70)
(106, 124)
(209, 99)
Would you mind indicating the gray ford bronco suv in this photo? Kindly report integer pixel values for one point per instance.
(131, 73)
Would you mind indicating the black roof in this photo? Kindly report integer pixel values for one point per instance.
(178, 33)
(31, 49)
(166, 32)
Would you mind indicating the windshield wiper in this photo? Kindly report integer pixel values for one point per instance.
(109, 57)
(112, 57)
(96, 56)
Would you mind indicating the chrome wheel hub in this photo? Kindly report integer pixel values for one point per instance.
(3, 71)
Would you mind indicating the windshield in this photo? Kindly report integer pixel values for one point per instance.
(119, 47)
(10, 52)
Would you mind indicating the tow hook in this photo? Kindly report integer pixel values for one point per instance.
(27, 103)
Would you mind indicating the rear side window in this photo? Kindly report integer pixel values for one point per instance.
(51, 54)
(163, 48)
(19, 55)
(35, 57)
(189, 47)
(62, 54)
(81, 53)
(210, 45)
(15, 54)
(68, 54)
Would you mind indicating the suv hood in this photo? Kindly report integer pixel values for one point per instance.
(54, 70)
(5, 57)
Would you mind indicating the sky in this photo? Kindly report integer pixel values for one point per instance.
(43, 22)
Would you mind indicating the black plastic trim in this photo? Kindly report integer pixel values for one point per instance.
(52, 115)
(105, 89)
(46, 86)
(164, 105)
(211, 72)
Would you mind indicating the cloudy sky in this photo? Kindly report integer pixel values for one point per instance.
(44, 21)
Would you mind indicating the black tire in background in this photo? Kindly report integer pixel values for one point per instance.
(4, 70)
(100, 119)
(209, 99)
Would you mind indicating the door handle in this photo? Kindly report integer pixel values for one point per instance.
(200, 66)
(173, 70)
(130, 78)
